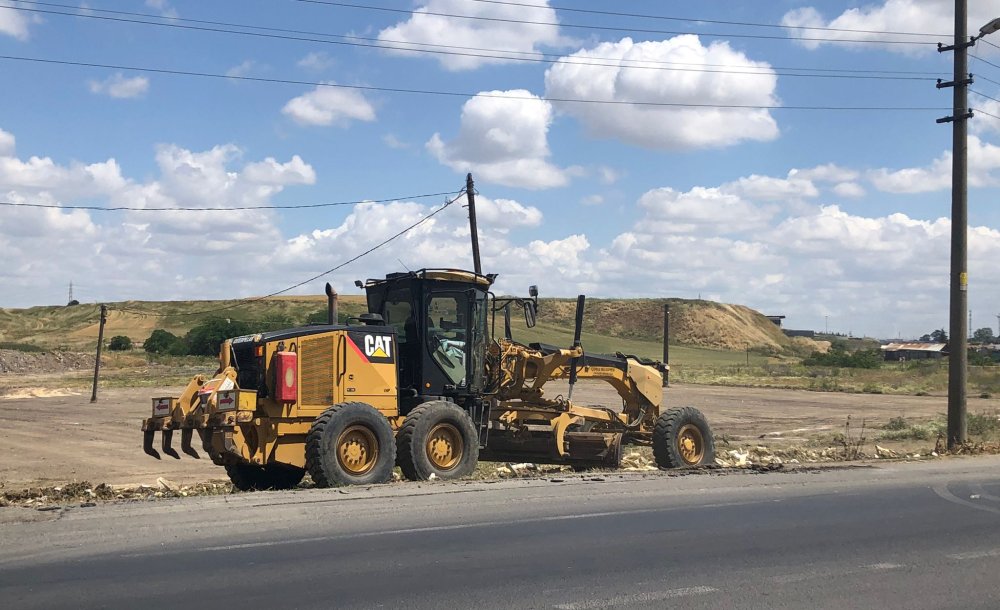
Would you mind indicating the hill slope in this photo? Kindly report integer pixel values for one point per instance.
(639, 322)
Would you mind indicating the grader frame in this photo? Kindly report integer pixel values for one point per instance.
(346, 403)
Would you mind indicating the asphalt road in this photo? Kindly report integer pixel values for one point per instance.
(894, 535)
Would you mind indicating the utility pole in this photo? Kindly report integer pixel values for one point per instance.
(470, 194)
(666, 344)
(100, 341)
(958, 355)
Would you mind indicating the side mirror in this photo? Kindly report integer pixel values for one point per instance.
(529, 314)
(533, 292)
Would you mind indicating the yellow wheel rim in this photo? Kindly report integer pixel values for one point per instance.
(691, 444)
(445, 447)
(357, 450)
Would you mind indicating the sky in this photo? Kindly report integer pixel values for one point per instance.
(782, 155)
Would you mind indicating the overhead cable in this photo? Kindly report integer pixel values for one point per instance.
(97, 208)
(500, 54)
(464, 94)
(605, 27)
(568, 9)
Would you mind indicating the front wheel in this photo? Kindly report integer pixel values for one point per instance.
(437, 438)
(350, 444)
(682, 438)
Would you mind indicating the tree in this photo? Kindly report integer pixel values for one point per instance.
(120, 343)
(164, 342)
(206, 338)
(983, 335)
(937, 336)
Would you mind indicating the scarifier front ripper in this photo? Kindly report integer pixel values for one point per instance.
(418, 382)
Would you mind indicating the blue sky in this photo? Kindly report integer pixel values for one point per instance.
(821, 215)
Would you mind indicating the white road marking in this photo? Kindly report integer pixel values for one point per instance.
(804, 576)
(945, 493)
(637, 598)
(975, 554)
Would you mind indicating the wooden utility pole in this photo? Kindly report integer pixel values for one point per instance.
(666, 343)
(100, 342)
(470, 194)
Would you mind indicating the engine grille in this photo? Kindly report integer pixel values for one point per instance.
(316, 356)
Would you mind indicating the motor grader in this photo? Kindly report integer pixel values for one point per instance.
(418, 382)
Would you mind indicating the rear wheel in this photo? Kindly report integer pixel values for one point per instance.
(250, 477)
(350, 444)
(682, 438)
(437, 438)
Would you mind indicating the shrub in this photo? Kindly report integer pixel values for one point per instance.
(861, 359)
(120, 343)
(20, 347)
(164, 342)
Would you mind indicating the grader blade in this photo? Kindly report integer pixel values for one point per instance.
(168, 437)
(147, 443)
(186, 436)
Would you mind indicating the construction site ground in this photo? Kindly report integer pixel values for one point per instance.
(54, 435)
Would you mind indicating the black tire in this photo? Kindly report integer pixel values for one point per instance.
(364, 436)
(250, 477)
(682, 438)
(449, 427)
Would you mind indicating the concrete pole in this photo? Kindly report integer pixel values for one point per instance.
(958, 353)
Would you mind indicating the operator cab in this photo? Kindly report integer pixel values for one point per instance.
(440, 317)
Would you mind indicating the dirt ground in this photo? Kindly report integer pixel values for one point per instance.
(54, 436)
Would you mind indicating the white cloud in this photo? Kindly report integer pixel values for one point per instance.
(6, 144)
(984, 163)
(316, 61)
(851, 190)
(131, 254)
(163, 7)
(923, 16)
(242, 69)
(608, 175)
(15, 23)
(592, 200)
(981, 123)
(768, 188)
(503, 139)
(393, 142)
(706, 210)
(328, 105)
(512, 37)
(661, 127)
(825, 173)
(120, 87)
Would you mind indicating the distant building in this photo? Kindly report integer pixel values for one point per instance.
(776, 319)
(901, 352)
(809, 334)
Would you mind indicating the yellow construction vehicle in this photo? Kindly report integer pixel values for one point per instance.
(419, 383)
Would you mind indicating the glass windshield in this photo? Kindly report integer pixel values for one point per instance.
(446, 334)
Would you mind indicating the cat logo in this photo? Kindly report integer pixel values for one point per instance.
(378, 346)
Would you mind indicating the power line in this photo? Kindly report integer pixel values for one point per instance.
(988, 63)
(971, 90)
(604, 27)
(376, 43)
(981, 111)
(96, 208)
(464, 94)
(249, 300)
(987, 79)
(700, 20)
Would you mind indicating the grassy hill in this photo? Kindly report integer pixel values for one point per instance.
(701, 331)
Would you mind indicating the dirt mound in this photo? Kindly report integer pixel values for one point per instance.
(14, 362)
(696, 323)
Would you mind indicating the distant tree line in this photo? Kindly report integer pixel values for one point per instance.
(206, 337)
(840, 356)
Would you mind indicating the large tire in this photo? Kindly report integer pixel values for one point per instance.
(350, 444)
(682, 438)
(250, 477)
(437, 438)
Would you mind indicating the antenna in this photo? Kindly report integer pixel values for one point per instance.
(70, 293)
(403, 264)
